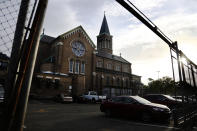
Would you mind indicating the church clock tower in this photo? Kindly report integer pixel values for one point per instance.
(104, 39)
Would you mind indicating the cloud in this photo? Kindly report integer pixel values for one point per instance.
(148, 4)
(112, 8)
(60, 17)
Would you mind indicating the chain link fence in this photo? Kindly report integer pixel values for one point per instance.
(9, 14)
(20, 27)
(9, 10)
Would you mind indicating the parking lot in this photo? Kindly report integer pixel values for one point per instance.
(50, 116)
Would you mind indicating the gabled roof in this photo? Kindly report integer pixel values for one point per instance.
(46, 38)
(104, 27)
(112, 57)
(75, 30)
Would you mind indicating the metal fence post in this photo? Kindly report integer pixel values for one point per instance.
(193, 78)
(33, 43)
(18, 38)
(14, 61)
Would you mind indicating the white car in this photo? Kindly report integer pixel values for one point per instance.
(92, 96)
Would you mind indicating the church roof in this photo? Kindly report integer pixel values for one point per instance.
(104, 27)
(78, 29)
(112, 57)
(49, 39)
(46, 38)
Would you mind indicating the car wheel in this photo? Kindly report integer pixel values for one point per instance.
(146, 117)
(108, 113)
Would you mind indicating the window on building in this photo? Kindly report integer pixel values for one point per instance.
(99, 46)
(82, 67)
(103, 44)
(71, 64)
(107, 44)
(110, 45)
(117, 68)
(109, 66)
(99, 64)
(77, 67)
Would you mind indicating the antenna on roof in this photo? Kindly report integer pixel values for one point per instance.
(120, 54)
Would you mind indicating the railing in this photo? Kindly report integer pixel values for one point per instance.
(186, 116)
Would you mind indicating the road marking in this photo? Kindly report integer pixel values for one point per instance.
(143, 124)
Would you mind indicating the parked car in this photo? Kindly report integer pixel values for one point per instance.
(91, 96)
(135, 107)
(167, 100)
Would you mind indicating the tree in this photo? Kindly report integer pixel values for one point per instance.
(165, 85)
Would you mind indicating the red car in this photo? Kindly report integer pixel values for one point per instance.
(135, 107)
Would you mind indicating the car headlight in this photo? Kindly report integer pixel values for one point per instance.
(158, 109)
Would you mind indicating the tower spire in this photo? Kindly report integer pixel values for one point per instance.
(104, 39)
(104, 27)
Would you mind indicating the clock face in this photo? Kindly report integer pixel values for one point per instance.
(78, 48)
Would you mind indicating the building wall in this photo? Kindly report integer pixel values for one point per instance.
(67, 55)
(101, 78)
(43, 53)
(109, 78)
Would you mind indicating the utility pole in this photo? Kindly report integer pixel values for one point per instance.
(158, 74)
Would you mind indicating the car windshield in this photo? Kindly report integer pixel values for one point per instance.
(169, 97)
(141, 100)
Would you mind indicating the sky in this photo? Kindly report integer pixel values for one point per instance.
(149, 55)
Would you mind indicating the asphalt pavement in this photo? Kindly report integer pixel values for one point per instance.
(51, 116)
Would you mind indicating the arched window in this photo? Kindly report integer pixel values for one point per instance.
(77, 67)
(82, 67)
(71, 64)
(103, 44)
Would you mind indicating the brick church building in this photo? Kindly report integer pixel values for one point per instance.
(72, 63)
